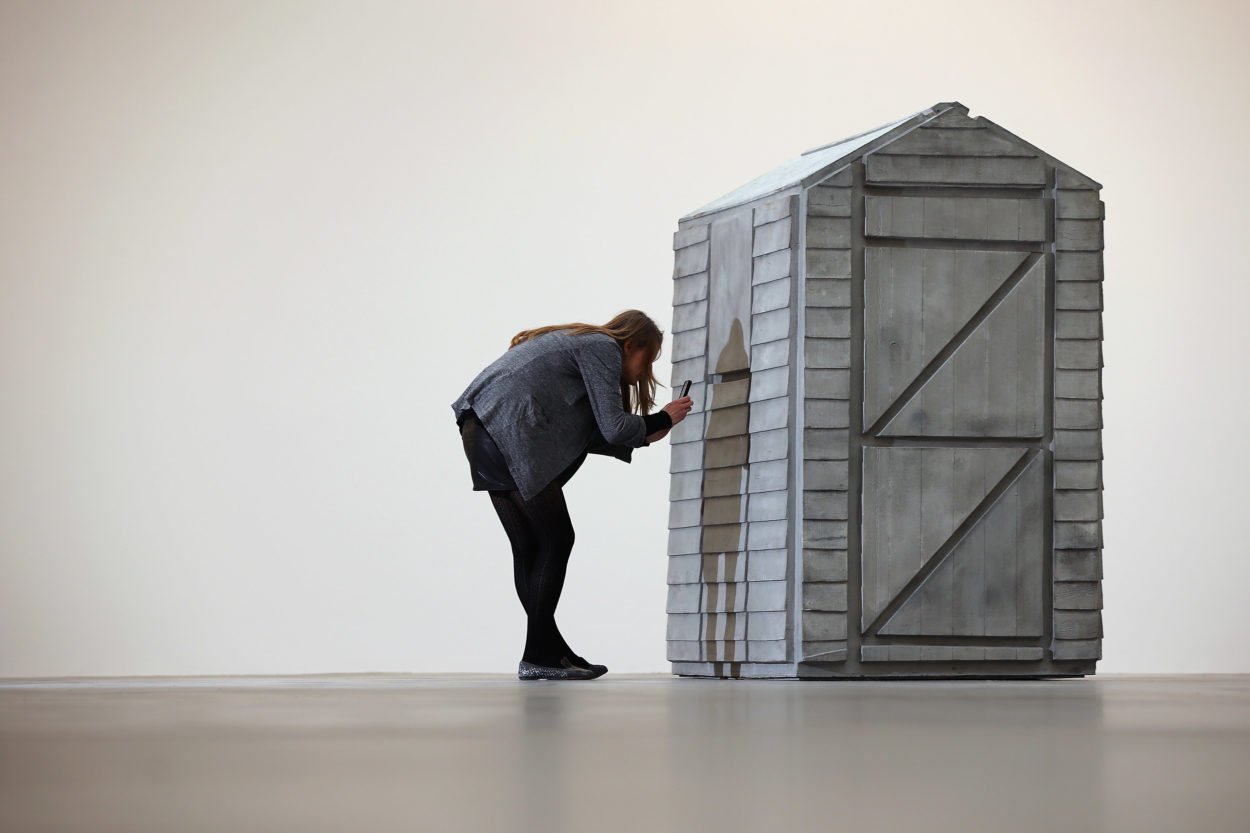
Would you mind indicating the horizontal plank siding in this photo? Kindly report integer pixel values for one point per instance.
(965, 218)
(955, 170)
(1078, 488)
(729, 520)
(952, 141)
(826, 417)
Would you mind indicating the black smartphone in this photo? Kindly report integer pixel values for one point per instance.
(685, 389)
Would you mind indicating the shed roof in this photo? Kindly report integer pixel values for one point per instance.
(796, 170)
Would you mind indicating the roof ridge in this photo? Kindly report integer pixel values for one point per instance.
(931, 109)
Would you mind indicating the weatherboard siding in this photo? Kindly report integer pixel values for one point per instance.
(826, 419)
(1078, 484)
(728, 517)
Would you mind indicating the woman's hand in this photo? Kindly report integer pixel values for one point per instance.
(678, 408)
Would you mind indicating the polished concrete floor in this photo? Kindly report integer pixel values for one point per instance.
(632, 753)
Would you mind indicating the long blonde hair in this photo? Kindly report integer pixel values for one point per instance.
(631, 325)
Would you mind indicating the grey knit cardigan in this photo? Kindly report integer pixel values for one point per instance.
(550, 398)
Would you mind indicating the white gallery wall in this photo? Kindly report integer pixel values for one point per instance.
(251, 252)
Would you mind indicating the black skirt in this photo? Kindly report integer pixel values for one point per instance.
(487, 466)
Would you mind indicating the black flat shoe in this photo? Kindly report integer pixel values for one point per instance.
(599, 670)
(567, 670)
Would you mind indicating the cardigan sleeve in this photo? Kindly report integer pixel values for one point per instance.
(657, 421)
(599, 446)
(599, 362)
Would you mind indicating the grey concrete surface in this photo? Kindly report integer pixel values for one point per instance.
(638, 753)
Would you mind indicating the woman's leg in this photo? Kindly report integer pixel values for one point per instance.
(524, 543)
(542, 536)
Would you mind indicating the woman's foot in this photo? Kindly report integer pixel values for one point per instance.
(564, 669)
(599, 670)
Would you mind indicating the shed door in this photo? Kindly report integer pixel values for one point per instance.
(954, 491)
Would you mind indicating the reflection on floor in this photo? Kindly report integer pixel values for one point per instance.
(635, 753)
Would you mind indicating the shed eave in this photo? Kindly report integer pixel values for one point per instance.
(1058, 163)
(798, 170)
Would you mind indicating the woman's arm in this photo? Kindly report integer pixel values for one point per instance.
(599, 361)
(658, 424)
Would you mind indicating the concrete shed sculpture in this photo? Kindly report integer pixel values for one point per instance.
(894, 462)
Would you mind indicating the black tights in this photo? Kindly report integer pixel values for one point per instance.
(541, 534)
